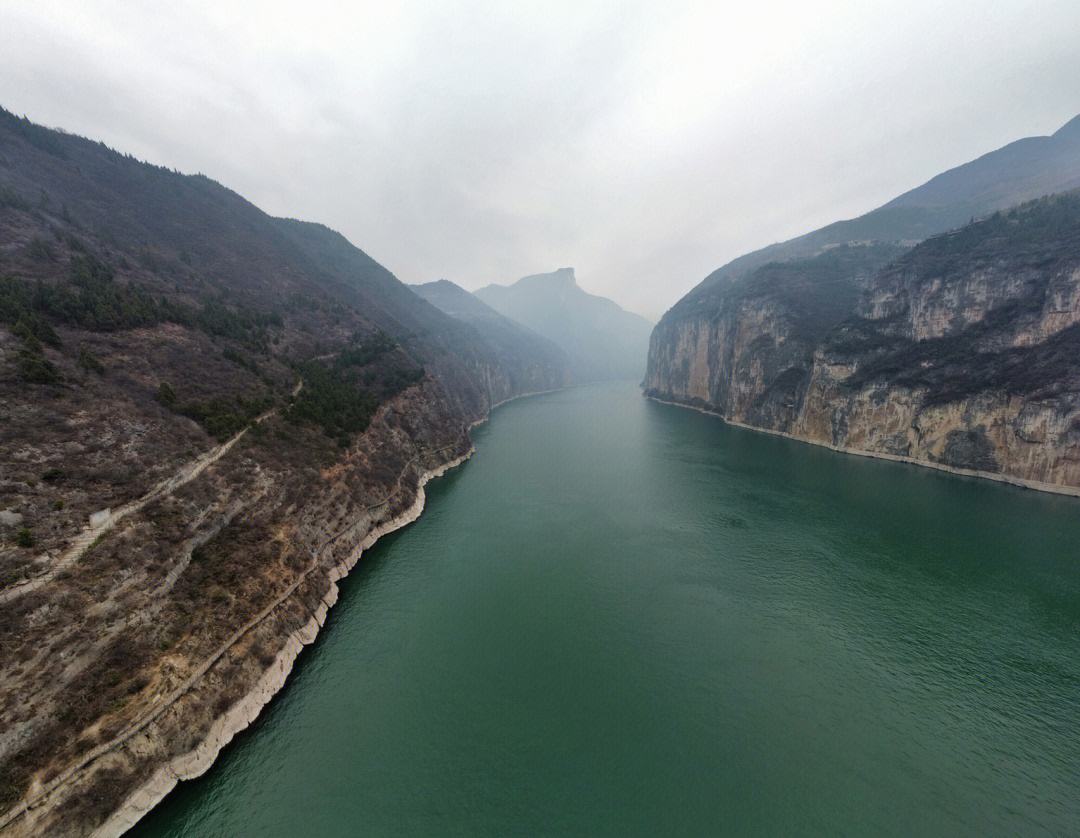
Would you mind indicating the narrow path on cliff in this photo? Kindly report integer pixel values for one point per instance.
(155, 712)
(573, 635)
(89, 534)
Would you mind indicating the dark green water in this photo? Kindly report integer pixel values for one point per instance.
(623, 618)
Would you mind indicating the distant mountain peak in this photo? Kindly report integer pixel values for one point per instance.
(561, 278)
(1070, 129)
(602, 340)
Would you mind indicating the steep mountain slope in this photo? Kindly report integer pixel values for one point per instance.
(534, 364)
(748, 341)
(1023, 170)
(205, 414)
(497, 363)
(963, 352)
(603, 341)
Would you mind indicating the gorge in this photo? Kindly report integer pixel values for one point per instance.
(208, 414)
(626, 618)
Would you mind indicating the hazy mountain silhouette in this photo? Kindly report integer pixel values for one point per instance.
(603, 341)
(535, 362)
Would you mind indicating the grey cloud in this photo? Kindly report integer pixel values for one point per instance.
(643, 144)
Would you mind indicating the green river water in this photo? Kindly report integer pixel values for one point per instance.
(623, 618)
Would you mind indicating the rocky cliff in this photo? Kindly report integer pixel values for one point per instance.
(963, 352)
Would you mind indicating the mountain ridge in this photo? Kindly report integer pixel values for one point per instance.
(535, 364)
(923, 211)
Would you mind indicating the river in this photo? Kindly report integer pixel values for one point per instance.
(626, 618)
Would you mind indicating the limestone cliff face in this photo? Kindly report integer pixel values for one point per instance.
(747, 349)
(963, 352)
(992, 432)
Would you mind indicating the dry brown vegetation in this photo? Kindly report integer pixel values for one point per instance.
(116, 658)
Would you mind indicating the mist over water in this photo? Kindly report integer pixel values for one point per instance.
(625, 618)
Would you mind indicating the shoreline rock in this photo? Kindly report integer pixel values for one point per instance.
(1052, 488)
(244, 712)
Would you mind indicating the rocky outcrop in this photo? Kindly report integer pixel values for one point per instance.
(746, 349)
(962, 353)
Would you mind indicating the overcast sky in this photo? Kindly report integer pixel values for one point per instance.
(643, 144)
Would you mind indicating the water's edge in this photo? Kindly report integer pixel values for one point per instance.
(246, 710)
(1039, 486)
(624, 619)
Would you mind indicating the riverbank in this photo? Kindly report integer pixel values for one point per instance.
(197, 762)
(245, 711)
(613, 620)
(1053, 488)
